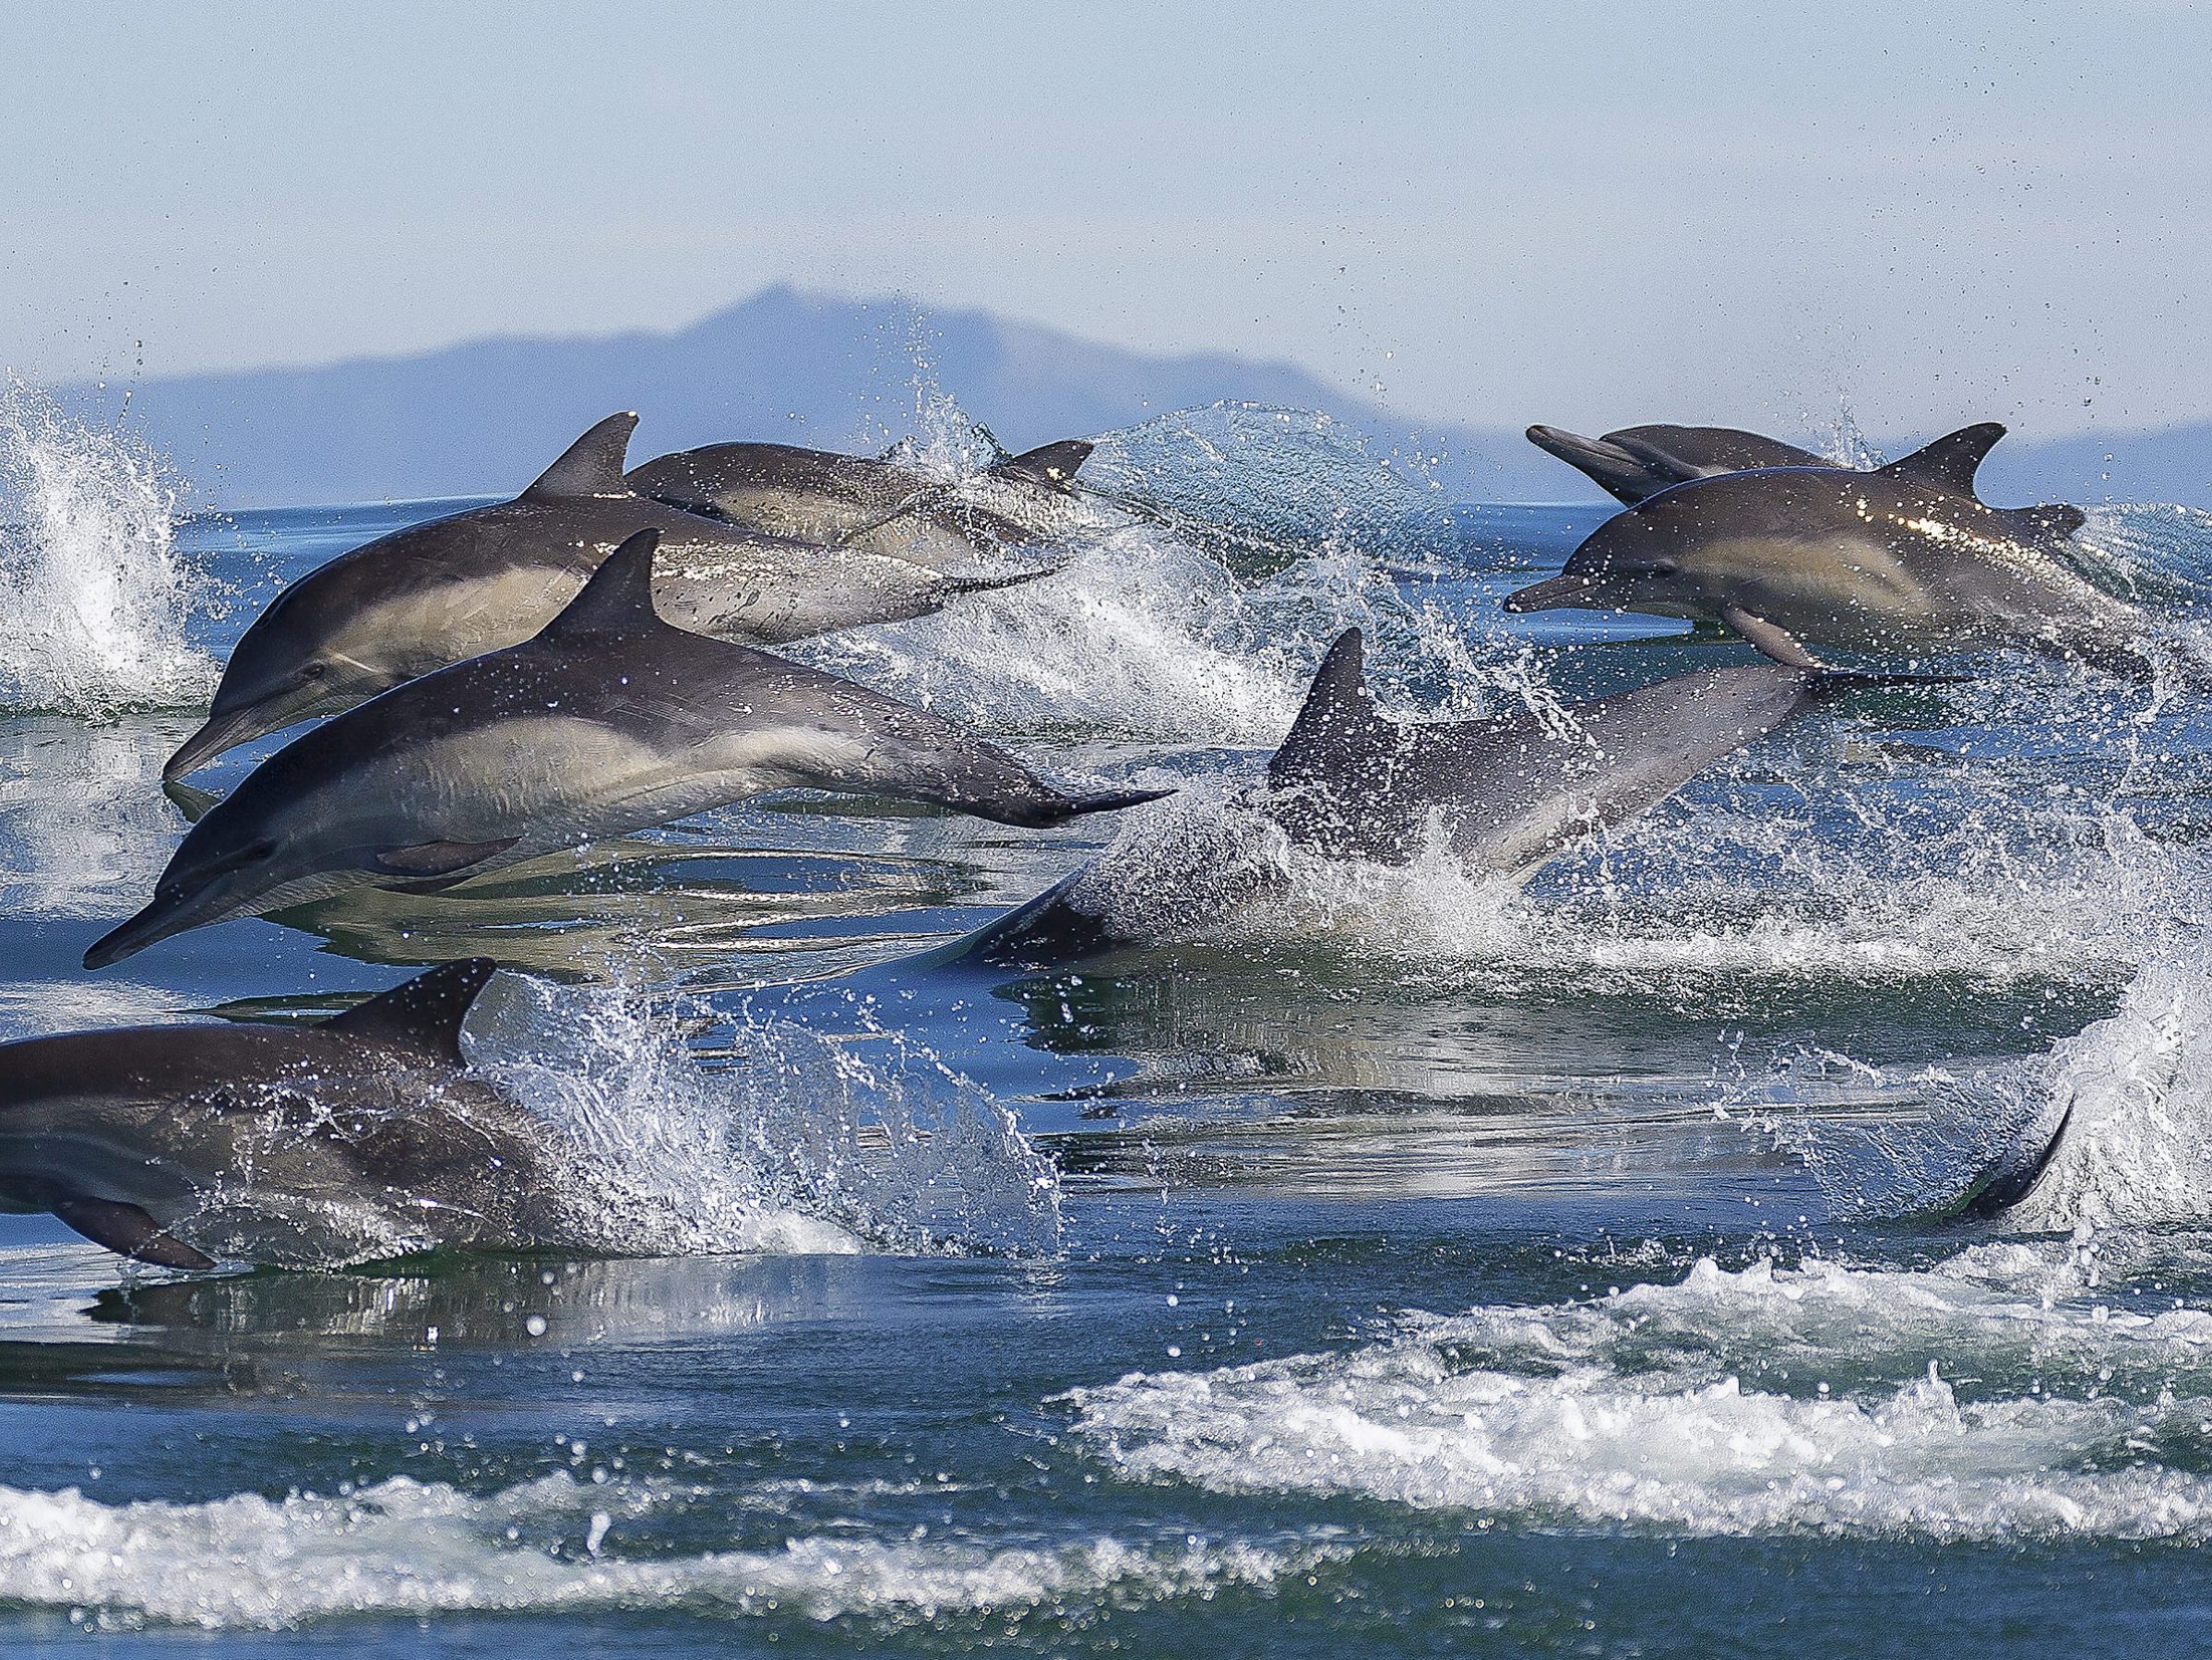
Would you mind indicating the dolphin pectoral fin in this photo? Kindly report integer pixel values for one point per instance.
(1777, 643)
(439, 859)
(189, 800)
(128, 1231)
(1950, 461)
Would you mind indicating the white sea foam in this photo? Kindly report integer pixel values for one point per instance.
(1701, 888)
(799, 1141)
(96, 598)
(405, 1547)
(1737, 1402)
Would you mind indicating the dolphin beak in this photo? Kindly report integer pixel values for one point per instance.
(225, 731)
(156, 921)
(1574, 449)
(1550, 594)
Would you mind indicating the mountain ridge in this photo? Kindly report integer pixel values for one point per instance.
(484, 417)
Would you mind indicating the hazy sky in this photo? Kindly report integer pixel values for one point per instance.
(1581, 213)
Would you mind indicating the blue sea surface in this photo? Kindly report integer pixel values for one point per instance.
(1404, 1263)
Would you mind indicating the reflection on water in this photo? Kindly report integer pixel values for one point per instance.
(83, 824)
(481, 1303)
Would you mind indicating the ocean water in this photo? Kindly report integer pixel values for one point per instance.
(1360, 1261)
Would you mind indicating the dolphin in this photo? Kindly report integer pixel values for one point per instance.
(1903, 557)
(1503, 794)
(875, 505)
(2012, 1172)
(175, 1145)
(611, 720)
(437, 593)
(1640, 461)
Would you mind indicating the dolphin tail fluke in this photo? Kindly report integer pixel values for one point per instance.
(128, 1231)
(1049, 466)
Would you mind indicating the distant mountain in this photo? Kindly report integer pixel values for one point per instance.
(486, 417)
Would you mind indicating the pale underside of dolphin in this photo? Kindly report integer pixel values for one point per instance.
(1636, 462)
(876, 505)
(1503, 794)
(1902, 558)
(436, 594)
(610, 721)
(364, 1134)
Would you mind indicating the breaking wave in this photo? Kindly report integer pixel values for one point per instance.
(406, 1548)
(1996, 1395)
(99, 602)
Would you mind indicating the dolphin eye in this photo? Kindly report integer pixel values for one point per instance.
(259, 851)
(315, 671)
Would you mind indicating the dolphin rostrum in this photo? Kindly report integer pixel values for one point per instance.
(610, 721)
(1903, 557)
(875, 505)
(437, 593)
(362, 1134)
(1640, 461)
(1502, 794)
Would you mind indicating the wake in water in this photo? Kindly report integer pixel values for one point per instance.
(97, 602)
(1759, 1400)
(556, 1543)
(795, 1142)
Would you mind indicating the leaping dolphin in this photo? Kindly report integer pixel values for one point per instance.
(1902, 558)
(178, 1144)
(1639, 461)
(1502, 794)
(875, 505)
(439, 593)
(610, 721)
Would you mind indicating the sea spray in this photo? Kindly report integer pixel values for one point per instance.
(97, 602)
(791, 1141)
(1997, 1394)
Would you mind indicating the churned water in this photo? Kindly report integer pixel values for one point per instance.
(1355, 1260)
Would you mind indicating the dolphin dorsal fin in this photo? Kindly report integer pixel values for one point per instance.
(1050, 465)
(592, 464)
(1338, 707)
(618, 598)
(1950, 461)
(424, 1015)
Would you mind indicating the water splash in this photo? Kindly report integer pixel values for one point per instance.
(401, 1546)
(794, 1141)
(98, 602)
(1758, 1400)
